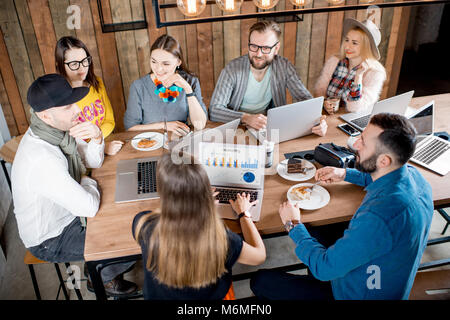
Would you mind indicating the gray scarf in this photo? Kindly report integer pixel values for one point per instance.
(64, 141)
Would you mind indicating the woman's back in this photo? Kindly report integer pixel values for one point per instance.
(155, 290)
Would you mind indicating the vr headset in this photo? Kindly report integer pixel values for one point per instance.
(329, 154)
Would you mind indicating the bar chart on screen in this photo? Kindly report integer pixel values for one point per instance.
(229, 156)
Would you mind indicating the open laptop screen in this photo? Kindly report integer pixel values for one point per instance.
(233, 164)
(423, 122)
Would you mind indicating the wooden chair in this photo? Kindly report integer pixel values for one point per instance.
(7, 154)
(427, 283)
(31, 260)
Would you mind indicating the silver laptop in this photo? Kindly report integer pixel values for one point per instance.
(136, 178)
(290, 121)
(397, 104)
(431, 152)
(233, 169)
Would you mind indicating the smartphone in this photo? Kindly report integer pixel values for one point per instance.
(348, 129)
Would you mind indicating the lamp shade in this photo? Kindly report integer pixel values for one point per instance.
(335, 2)
(191, 8)
(300, 3)
(229, 5)
(265, 4)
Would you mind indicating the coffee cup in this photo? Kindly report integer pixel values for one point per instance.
(334, 102)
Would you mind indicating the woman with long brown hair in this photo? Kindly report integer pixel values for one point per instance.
(187, 250)
(169, 93)
(74, 62)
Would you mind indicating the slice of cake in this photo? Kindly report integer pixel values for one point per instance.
(295, 165)
(302, 193)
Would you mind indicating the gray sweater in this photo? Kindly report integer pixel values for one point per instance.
(232, 84)
(145, 107)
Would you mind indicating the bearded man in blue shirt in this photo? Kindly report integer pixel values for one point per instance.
(378, 255)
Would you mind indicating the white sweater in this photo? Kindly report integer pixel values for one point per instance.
(372, 84)
(46, 198)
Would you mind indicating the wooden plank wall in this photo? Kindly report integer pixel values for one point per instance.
(29, 30)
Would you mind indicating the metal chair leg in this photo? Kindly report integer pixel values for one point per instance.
(61, 281)
(8, 180)
(35, 284)
(445, 228)
(446, 218)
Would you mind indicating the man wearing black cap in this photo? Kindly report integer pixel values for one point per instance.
(49, 186)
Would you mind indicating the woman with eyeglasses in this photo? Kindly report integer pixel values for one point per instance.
(74, 62)
(169, 95)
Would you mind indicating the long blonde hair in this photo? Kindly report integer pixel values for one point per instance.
(188, 247)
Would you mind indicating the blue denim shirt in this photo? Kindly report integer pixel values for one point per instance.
(380, 252)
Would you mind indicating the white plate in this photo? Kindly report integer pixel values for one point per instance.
(319, 197)
(149, 135)
(282, 171)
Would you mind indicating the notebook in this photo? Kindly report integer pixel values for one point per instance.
(431, 152)
(397, 104)
(136, 178)
(232, 169)
(290, 121)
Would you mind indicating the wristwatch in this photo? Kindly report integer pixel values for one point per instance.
(190, 94)
(290, 224)
(245, 214)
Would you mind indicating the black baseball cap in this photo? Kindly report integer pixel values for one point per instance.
(53, 90)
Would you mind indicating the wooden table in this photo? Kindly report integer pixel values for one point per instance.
(109, 235)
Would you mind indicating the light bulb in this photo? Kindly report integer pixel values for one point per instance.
(229, 5)
(335, 2)
(265, 4)
(299, 3)
(191, 8)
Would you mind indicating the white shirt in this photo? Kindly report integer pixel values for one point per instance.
(46, 198)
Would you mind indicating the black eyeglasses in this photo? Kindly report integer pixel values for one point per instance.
(75, 65)
(264, 49)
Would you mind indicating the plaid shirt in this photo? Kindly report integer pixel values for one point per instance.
(341, 83)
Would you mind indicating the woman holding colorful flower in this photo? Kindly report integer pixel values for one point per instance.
(169, 93)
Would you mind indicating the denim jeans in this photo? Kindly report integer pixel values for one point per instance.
(278, 285)
(69, 247)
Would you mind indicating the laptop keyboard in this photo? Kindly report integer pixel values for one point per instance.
(146, 177)
(431, 151)
(362, 122)
(227, 194)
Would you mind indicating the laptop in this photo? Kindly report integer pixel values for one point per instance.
(290, 121)
(221, 134)
(233, 169)
(431, 152)
(397, 104)
(136, 178)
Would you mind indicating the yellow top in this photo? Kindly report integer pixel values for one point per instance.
(96, 108)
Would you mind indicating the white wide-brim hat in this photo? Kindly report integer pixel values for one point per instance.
(370, 29)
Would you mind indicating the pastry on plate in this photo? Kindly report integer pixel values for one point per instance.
(295, 165)
(146, 143)
(302, 193)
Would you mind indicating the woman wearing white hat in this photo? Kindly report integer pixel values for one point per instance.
(354, 75)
